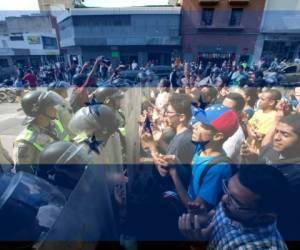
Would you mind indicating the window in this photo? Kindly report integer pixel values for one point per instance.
(4, 63)
(107, 20)
(4, 44)
(236, 17)
(207, 16)
(16, 38)
(292, 69)
(49, 42)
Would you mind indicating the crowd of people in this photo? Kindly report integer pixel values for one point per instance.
(230, 72)
(226, 142)
(221, 142)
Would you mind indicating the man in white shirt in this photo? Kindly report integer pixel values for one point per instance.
(232, 145)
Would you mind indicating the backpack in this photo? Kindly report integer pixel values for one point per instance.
(215, 161)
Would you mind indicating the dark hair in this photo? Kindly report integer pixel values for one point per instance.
(165, 83)
(252, 93)
(212, 91)
(293, 121)
(268, 183)
(274, 94)
(238, 99)
(182, 104)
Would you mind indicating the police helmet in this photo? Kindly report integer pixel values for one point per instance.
(36, 102)
(95, 119)
(106, 94)
(62, 163)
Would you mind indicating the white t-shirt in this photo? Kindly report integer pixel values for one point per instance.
(162, 100)
(233, 145)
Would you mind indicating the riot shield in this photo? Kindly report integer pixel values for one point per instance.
(87, 215)
(111, 157)
(29, 206)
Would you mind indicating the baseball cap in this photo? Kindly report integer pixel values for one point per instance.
(221, 118)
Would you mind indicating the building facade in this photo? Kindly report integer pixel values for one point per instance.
(28, 40)
(218, 30)
(127, 34)
(49, 5)
(280, 30)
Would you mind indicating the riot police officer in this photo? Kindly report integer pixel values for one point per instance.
(93, 125)
(112, 97)
(42, 128)
(62, 164)
(71, 168)
(96, 127)
(65, 111)
(5, 160)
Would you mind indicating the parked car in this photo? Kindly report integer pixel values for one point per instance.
(288, 75)
(129, 75)
(161, 70)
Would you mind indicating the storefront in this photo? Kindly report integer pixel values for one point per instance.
(217, 55)
(281, 46)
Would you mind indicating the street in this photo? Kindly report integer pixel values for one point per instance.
(10, 124)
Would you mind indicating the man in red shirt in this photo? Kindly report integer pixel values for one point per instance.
(30, 79)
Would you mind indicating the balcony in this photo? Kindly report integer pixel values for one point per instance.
(238, 2)
(209, 2)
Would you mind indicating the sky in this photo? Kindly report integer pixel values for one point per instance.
(33, 4)
(22, 7)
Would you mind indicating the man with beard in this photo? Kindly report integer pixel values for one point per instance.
(178, 114)
(247, 214)
(163, 199)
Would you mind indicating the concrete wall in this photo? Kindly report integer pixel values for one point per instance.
(279, 5)
(32, 28)
(34, 48)
(139, 30)
(281, 27)
(26, 24)
(133, 32)
(46, 5)
(281, 16)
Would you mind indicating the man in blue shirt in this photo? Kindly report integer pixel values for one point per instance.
(209, 165)
(210, 191)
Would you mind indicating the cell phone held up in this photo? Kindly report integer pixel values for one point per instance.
(147, 126)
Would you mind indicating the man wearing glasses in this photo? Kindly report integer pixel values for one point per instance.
(247, 214)
(180, 150)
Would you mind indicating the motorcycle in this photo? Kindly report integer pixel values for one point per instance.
(7, 93)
